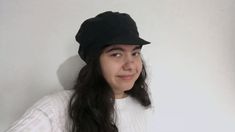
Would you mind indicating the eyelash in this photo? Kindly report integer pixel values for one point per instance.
(116, 54)
(136, 54)
(120, 54)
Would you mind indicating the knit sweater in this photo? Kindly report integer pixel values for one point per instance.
(50, 114)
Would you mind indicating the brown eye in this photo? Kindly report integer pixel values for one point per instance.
(116, 54)
(136, 54)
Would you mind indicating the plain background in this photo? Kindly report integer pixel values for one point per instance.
(190, 62)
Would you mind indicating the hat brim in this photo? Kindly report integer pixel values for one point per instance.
(127, 40)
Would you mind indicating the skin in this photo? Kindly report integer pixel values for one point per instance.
(121, 66)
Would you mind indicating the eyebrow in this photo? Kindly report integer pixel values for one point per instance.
(121, 49)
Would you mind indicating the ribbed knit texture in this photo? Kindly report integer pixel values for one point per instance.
(50, 114)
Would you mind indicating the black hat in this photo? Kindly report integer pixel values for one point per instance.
(105, 29)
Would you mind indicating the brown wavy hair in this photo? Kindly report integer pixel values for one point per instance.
(91, 107)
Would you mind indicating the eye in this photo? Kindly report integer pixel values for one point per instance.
(116, 54)
(136, 53)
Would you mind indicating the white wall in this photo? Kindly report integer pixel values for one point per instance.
(191, 59)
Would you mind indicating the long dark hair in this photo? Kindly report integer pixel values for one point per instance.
(91, 105)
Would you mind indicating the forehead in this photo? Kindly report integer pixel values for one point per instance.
(123, 47)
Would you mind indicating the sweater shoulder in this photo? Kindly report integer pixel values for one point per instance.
(55, 107)
(50, 113)
(54, 100)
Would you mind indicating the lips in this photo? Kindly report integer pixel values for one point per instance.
(126, 77)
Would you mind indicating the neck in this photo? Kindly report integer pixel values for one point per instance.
(120, 95)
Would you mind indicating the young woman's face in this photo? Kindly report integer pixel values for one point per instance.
(121, 65)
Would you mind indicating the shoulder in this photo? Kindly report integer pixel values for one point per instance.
(137, 105)
(130, 110)
(55, 107)
(54, 102)
(49, 113)
(58, 97)
(131, 105)
(138, 110)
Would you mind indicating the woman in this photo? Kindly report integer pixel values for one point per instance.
(110, 94)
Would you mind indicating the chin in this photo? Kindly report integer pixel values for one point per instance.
(126, 87)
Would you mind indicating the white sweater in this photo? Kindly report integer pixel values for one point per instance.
(50, 114)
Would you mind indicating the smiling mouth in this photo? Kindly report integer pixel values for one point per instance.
(126, 77)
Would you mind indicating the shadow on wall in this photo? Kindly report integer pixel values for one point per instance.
(68, 71)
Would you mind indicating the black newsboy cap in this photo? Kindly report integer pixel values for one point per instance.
(107, 28)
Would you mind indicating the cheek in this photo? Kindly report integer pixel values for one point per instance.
(139, 65)
(108, 69)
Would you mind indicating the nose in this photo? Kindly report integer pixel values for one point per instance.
(128, 63)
